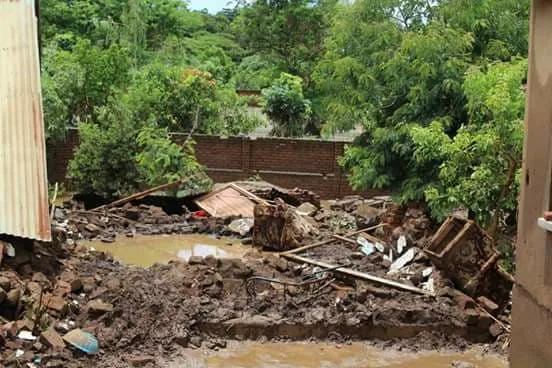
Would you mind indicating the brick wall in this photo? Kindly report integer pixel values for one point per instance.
(289, 163)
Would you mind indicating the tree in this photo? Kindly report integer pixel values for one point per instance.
(286, 106)
(478, 167)
(290, 31)
(396, 65)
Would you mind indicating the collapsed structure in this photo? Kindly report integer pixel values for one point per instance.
(362, 269)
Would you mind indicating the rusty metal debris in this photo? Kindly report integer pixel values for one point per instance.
(23, 182)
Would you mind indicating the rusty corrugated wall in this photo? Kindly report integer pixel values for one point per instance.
(23, 183)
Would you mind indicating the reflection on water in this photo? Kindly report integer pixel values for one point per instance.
(202, 250)
(299, 355)
(146, 250)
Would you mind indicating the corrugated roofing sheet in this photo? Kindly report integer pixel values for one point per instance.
(23, 183)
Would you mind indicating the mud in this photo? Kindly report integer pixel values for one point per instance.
(145, 251)
(201, 301)
(357, 355)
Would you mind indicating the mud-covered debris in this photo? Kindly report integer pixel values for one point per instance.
(279, 227)
(139, 360)
(466, 254)
(52, 339)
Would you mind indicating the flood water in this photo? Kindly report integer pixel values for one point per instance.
(144, 251)
(300, 355)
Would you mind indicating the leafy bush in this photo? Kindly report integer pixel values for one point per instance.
(286, 106)
(118, 157)
(105, 162)
(478, 168)
(162, 161)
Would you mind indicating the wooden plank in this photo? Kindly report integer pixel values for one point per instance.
(137, 196)
(359, 275)
(344, 239)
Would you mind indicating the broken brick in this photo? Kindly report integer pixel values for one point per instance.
(56, 304)
(488, 304)
(70, 278)
(62, 289)
(52, 339)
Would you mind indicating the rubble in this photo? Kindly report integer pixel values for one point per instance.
(331, 279)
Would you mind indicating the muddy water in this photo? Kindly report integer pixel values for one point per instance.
(298, 355)
(144, 251)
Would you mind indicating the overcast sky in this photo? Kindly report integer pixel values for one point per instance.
(212, 5)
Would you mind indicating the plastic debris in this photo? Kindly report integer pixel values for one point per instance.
(19, 353)
(427, 272)
(241, 226)
(26, 335)
(403, 260)
(429, 285)
(401, 244)
(82, 340)
(10, 250)
(380, 247)
(365, 246)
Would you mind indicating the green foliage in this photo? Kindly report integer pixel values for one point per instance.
(105, 162)
(117, 157)
(162, 161)
(478, 167)
(257, 72)
(286, 106)
(398, 68)
(289, 31)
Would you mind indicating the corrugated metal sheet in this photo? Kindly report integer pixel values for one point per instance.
(227, 201)
(23, 183)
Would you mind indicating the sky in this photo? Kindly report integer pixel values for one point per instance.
(212, 5)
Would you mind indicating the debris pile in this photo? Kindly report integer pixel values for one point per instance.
(349, 269)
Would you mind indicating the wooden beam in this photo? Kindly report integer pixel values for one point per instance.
(359, 275)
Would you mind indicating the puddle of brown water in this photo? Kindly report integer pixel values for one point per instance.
(298, 355)
(144, 251)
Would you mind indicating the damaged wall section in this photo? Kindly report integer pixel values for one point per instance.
(23, 184)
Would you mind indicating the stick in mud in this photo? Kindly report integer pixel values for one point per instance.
(138, 195)
(359, 275)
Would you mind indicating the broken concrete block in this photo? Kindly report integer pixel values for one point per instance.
(463, 301)
(99, 307)
(496, 330)
(307, 209)
(52, 339)
(488, 304)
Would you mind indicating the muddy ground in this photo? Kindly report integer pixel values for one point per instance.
(143, 315)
